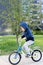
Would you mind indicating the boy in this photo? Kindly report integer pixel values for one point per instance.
(27, 34)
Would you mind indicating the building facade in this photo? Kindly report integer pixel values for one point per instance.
(42, 10)
(34, 11)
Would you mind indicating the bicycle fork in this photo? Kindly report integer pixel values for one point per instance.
(18, 51)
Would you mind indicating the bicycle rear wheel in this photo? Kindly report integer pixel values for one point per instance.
(36, 55)
(14, 58)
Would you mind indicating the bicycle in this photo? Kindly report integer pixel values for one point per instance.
(15, 57)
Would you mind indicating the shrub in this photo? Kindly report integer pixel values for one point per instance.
(38, 32)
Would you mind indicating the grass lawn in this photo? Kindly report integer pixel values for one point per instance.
(8, 43)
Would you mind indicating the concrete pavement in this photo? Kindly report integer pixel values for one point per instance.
(24, 61)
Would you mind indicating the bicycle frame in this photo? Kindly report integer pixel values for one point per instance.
(19, 49)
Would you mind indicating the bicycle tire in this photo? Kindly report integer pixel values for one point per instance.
(33, 57)
(19, 58)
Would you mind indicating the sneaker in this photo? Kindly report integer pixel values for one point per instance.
(27, 55)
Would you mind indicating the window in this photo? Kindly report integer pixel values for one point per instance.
(34, 12)
(42, 7)
(36, 1)
(42, 1)
(42, 21)
(42, 11)
(34, 6)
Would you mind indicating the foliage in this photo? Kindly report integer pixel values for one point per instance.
(9, 44)
(14, 11)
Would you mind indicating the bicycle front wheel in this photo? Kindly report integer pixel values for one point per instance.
(36, 55)
(14, 58)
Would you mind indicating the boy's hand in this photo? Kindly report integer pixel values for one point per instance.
(21, 39)
(24, 38)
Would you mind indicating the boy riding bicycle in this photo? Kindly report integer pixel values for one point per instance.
(35, 55)
(27, 34)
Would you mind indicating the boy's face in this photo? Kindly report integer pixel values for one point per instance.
(22, 29)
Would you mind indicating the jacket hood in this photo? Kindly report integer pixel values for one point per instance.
(24, 25)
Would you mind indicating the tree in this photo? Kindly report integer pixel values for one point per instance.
(11, 12)
(17, 16)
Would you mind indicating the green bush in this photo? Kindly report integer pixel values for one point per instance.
(37, 32)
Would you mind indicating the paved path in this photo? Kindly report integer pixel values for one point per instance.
(24, 61)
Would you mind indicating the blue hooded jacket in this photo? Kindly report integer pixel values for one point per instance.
(27, 33)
